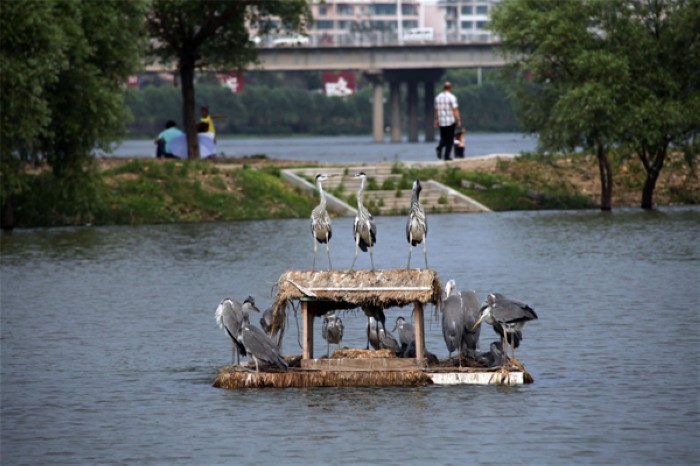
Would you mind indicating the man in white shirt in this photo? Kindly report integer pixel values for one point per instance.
(446, 118)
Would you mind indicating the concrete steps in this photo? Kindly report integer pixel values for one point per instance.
(342, 191)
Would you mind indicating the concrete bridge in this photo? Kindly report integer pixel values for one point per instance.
(389, 64)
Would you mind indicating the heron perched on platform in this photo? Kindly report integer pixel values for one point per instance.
(375, 316)
(416, 225)
(229, 315)
(321, 228)
(407, 335)
(471, 308)
(460, 312)
(453, 321)
(332, 330)
(364, 229)
(507, 317)
(266, 321)
(380, 338)
(260, 346)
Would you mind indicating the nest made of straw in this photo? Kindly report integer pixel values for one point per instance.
(299, 379)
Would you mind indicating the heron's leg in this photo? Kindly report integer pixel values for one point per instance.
(234, 352)
(328, 349)
(410, 248)
(313, 267)
(425, 249)
(328, 251)
(357, 245)
(257, 369)
(367, 333)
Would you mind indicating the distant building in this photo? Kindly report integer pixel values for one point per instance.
(357, 22)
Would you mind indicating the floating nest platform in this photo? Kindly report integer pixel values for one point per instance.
(362, 368)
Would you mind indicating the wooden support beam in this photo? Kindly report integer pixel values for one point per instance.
(308, 330)
(420, 332)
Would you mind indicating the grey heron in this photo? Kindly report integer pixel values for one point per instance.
(452, 318)
(332, 330)
(260, 346)
(375, 315)
(507, 317)
(471, 308)
(229, 315)
(266, 321)
(494, 357)
(380, 338)
(416, 225)
(364, 229)
(407, 335)
(321, 228)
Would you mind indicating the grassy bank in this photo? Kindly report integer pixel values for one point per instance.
(141, 191)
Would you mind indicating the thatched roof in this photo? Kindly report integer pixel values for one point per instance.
(343, 289)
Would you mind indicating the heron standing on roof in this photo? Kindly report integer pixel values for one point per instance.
(416, 226)
(229, 315)
(321, 222)
(364, 230)
(332, 330)
(260, 346)
(507, 317)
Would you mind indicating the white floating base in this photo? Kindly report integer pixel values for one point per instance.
(476, 378)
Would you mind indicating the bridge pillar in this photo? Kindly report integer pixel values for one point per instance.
(412, 111)
(429, 111)
(376, 77)
(395, 102)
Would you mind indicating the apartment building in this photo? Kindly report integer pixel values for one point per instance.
(358, 22)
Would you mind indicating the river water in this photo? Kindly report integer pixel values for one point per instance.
(109, 345)
(334, 149)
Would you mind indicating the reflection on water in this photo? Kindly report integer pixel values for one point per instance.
(109, 345)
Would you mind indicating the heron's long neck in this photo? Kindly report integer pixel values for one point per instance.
(322, 194)
(359, 194)
(415, 196)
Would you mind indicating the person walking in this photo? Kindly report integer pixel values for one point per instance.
(447, 119)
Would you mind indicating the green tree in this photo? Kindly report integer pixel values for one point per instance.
(213, 34)
(661, 40)
(63, 64)
(602, 73)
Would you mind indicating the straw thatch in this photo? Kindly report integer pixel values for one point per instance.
(343, 289)
(306, 379)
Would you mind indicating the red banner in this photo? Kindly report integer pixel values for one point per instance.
(233, 80)
(339, 84)
(132, 81)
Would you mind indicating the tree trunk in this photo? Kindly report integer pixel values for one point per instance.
(606, 179)
(188, 98)
(653, 171)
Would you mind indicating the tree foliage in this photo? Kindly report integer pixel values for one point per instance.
(602, 73)
(214, 34)
(63, 64)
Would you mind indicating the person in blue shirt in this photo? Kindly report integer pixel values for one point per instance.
(163, 140)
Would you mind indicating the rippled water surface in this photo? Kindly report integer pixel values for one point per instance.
(109, 345)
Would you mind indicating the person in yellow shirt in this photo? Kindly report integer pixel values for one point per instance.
(209, 119)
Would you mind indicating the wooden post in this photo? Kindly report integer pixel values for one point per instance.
(420, 332)
(308, 331)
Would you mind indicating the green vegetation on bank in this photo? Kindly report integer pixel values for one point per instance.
(150, 191)
(147, 191)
